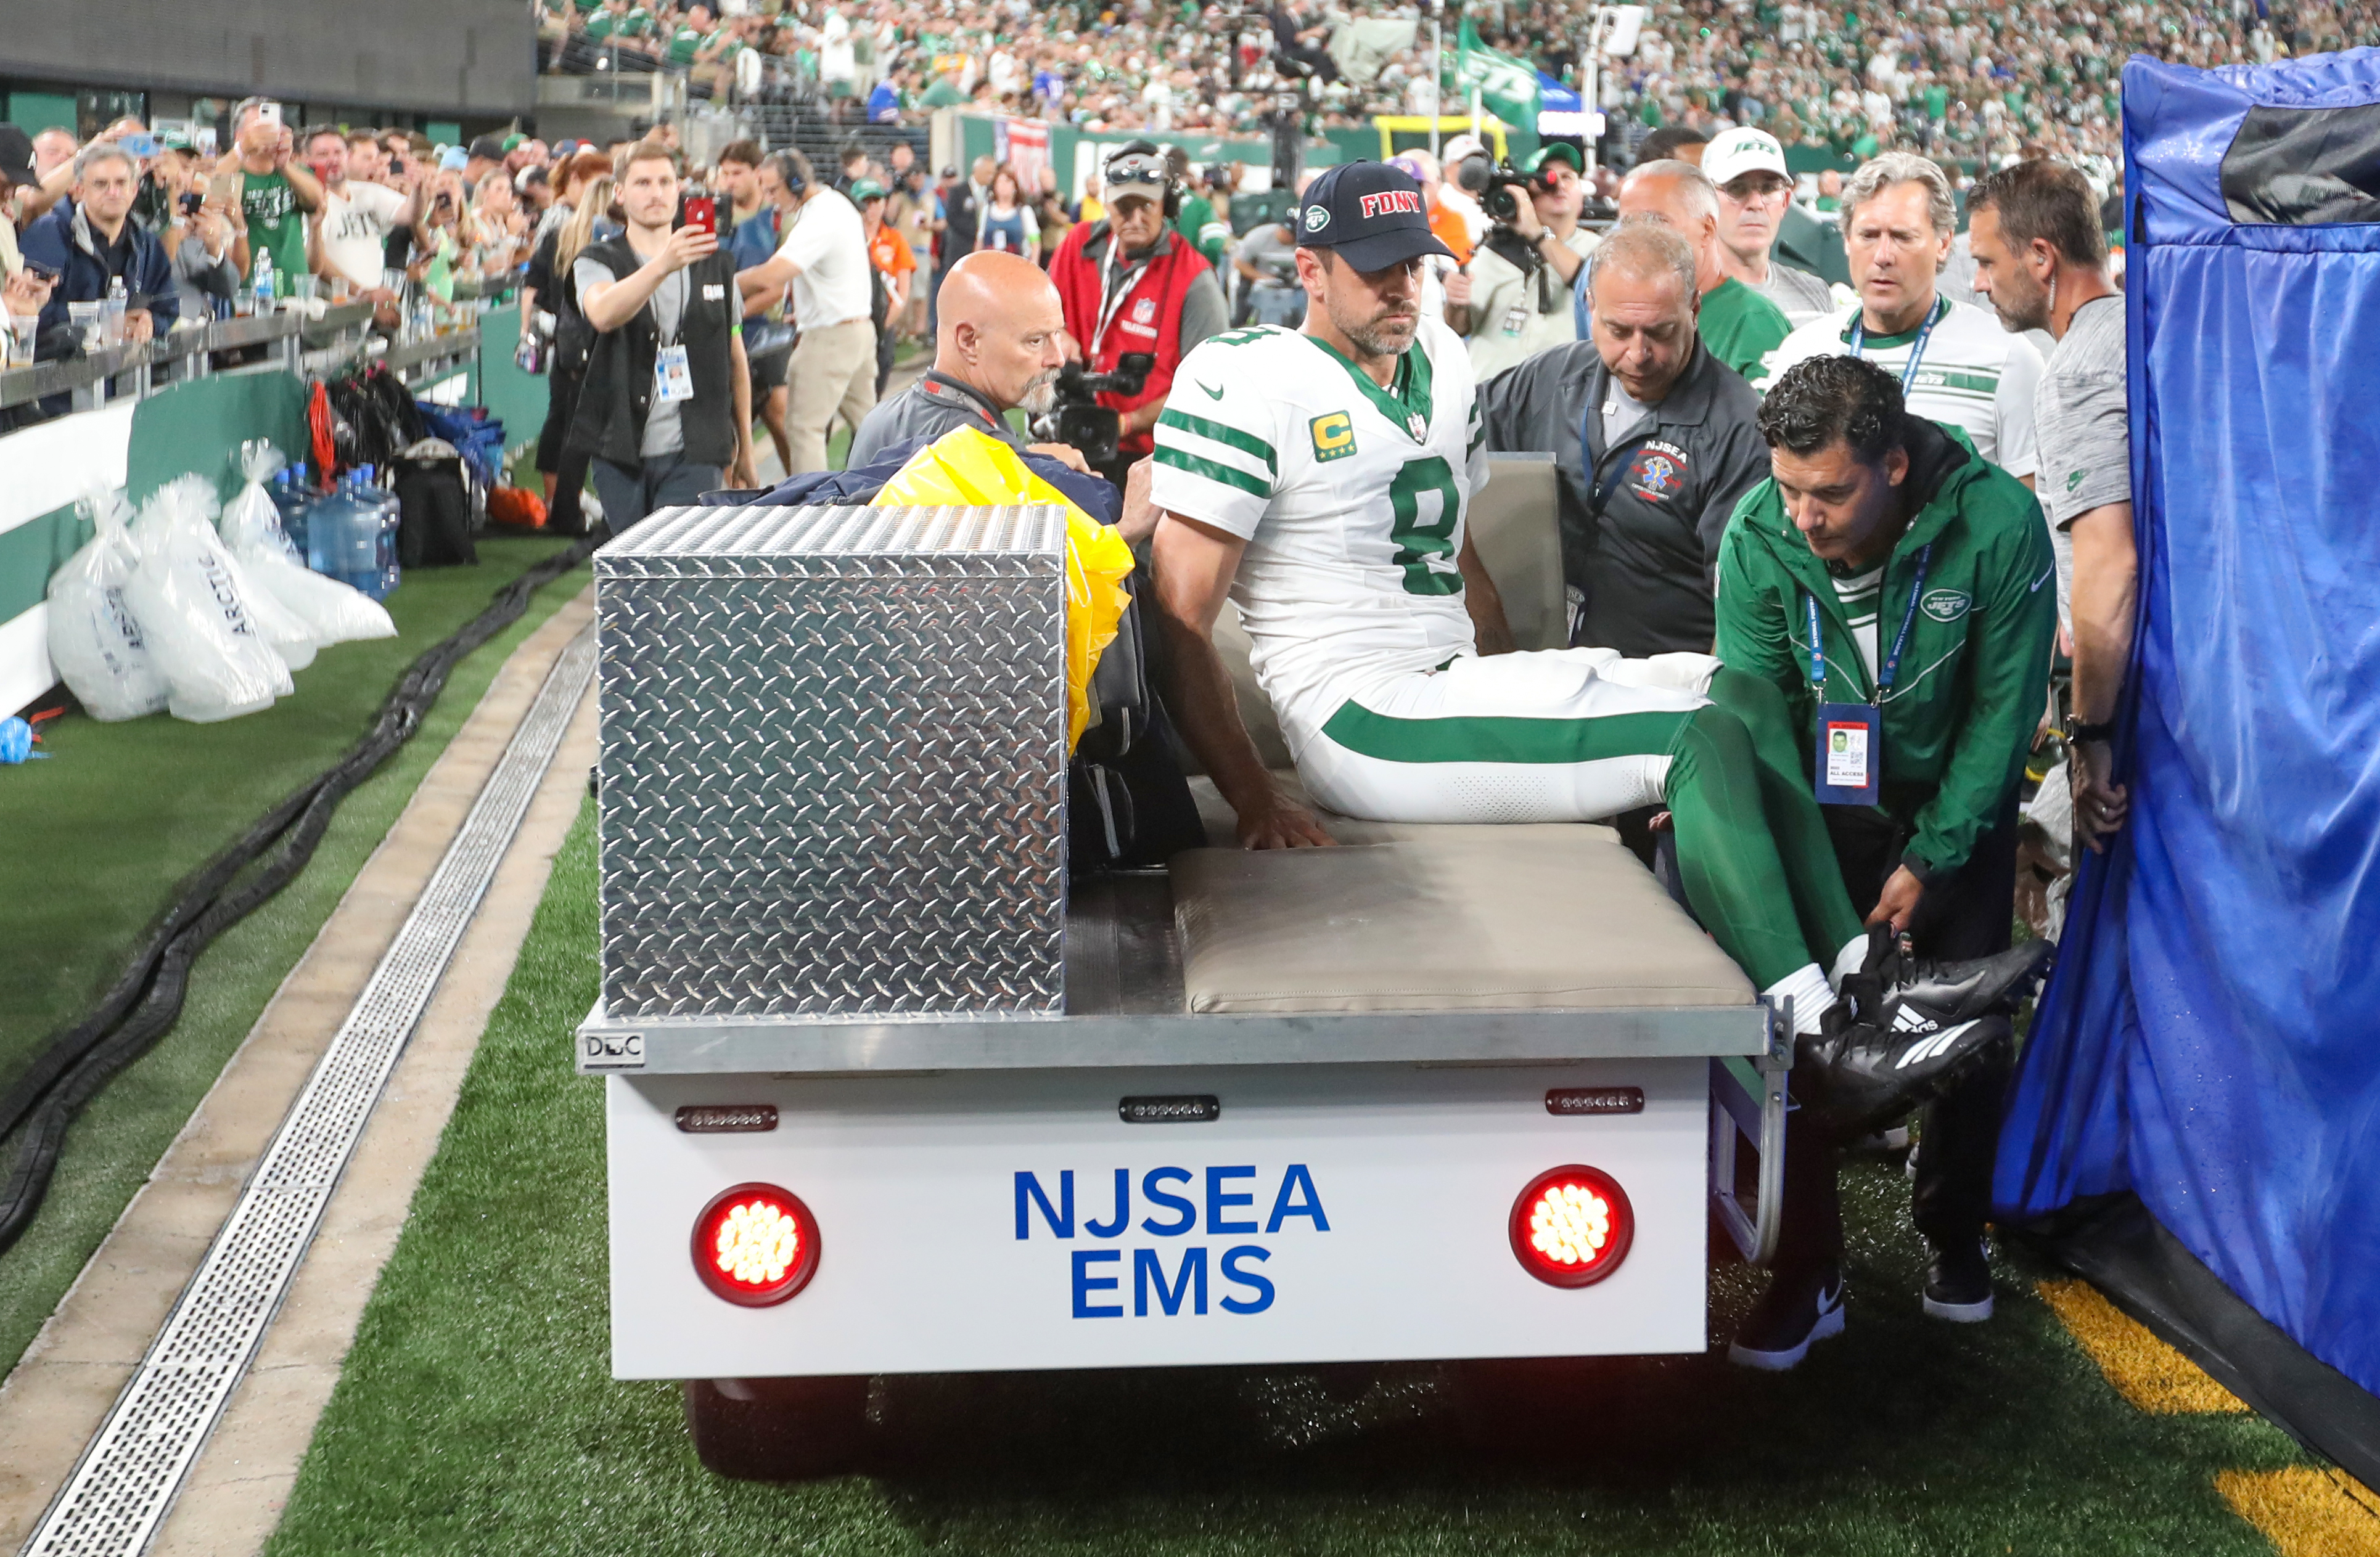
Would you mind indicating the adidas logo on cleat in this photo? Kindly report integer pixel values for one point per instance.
(1931, 1048)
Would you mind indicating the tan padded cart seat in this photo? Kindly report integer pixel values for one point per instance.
(1419, 917)
(1453, 919)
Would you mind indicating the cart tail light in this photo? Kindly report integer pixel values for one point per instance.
(1572, 1227)
(756, 1244)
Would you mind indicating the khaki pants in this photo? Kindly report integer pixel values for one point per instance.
(833, 370)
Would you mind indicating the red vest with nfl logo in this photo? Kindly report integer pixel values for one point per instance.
(1148, 319)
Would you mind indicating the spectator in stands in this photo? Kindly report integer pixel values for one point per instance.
(1128, 287)
(833, 370)
(23, 294)
(963, 204)
(2041, 258)
(1516, 299)
(1747, 167)
(54, 155)
(666, 407)
(199, 242)
(1898, 221)
(93, 242)
(1867, 503)
(1671, 444)
(1000, 346)
(1007, 224)
(496, 230)
(351, 231)
(486, 156)
(271, 192)
(895, 271)
(1737, 325)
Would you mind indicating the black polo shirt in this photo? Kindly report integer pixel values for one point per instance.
(1640, 522)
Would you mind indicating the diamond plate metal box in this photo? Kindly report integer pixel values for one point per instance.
(834, 767)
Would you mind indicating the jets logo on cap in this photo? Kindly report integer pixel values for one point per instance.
(1316, 218)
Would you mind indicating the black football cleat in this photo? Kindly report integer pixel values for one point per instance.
(1798, 1307)
(1958, 1282)
(1852, 1076)
(1944, 992)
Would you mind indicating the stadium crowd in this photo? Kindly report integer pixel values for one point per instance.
(1953, 81)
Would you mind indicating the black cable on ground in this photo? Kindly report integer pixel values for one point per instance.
(144, 1002)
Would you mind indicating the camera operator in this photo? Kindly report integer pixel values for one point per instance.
(1128, 286)
(1266, 261)
(999, 349)
(1515, 298)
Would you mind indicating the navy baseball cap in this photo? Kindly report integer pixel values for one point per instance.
(1372, 213)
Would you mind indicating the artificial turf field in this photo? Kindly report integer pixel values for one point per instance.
(98, 836)
(476, 1413)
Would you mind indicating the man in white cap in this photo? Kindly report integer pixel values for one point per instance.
(1453, 197)
(1748, 166)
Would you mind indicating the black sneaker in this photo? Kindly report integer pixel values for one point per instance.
(1958, 1282)
(1852, 1076)
(1892, 982)
(1794, 1312)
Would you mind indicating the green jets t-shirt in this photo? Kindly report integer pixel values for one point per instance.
(274, 223)
(681, 44)
(638, 23)
(600, 25)
(943, 94)
(1741, 327)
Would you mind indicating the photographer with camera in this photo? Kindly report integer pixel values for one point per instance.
(1129, 286)
(999, 349)
(1514, 300)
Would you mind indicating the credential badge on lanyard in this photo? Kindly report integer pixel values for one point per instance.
(673, 377)
(1917, 347)
(1850, 769)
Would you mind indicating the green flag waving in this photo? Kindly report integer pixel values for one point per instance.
(1508, 86)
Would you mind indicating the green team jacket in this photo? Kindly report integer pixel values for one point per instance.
(1973, 681)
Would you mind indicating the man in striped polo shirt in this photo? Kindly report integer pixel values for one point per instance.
(1956, 365)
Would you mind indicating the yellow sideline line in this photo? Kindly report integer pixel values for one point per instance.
(2303, 1510)
(2152, 1375)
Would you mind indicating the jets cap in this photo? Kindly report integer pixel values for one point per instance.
(1372, 213)
(1732, 153)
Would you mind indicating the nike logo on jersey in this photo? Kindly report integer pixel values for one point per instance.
(2041, 580)
(1212, 393)
(1931, 1048)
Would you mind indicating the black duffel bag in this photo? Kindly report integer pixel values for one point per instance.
(1127, 804)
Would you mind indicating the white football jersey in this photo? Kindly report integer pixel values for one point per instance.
(1351, 498)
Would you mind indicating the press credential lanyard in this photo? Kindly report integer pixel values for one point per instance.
(672, 376)
(1917, 347)
(1851, 735)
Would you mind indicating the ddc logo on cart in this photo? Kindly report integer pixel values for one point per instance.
(1216, 1202)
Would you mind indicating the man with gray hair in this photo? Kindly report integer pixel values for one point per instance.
(92, 243)
(1740, 327)
(1650, 473)
(1955, 364)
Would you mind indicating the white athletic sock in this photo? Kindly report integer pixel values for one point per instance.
(1850, 960)
(1812, 1000)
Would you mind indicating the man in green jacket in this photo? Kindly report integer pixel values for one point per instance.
(1898, 589)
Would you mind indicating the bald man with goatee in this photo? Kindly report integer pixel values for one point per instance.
(998, 349)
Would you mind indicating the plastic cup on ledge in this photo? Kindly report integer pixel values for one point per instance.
(84, 317)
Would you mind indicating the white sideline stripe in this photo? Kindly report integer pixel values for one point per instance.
(128, 1475)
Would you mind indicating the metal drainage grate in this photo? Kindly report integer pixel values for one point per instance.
(127, 1477)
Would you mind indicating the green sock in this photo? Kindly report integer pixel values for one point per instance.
(1735, 876)
(1828, 917)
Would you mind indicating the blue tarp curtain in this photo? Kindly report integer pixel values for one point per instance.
(2211, 1039)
